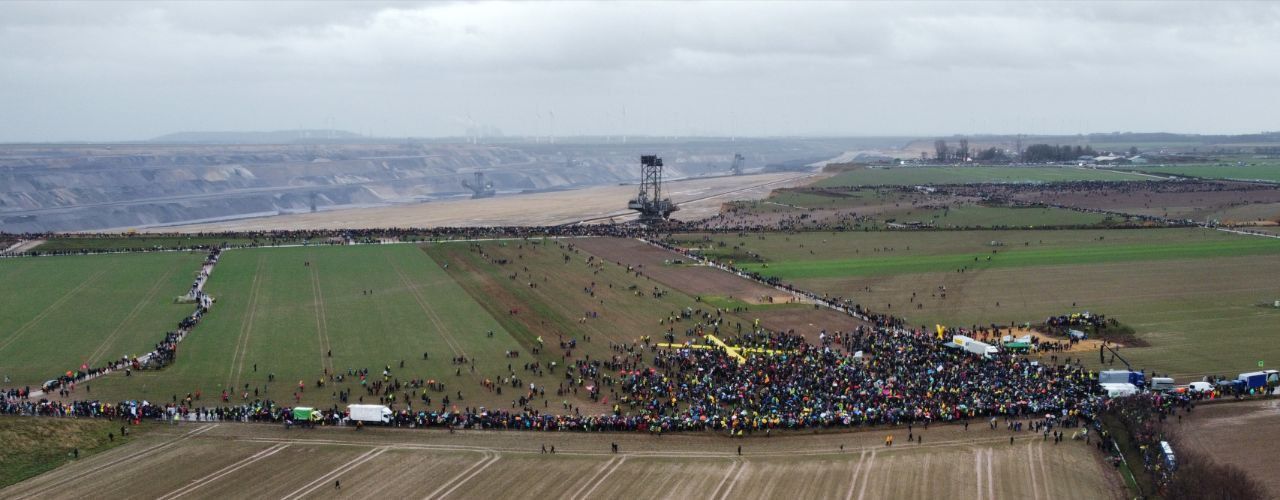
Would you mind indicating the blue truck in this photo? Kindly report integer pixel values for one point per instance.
(1122, 377)
(1259, 379)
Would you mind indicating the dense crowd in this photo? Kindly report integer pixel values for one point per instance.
(907, 377)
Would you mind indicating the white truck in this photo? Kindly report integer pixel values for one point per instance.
(969, 344)
(1119, 390)
(373, 414)
(981, 348)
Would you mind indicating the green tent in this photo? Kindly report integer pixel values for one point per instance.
(1018, 346)
(303, 413)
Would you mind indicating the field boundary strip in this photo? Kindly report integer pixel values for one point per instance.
(223, 472)
(636, 454)
(452, 484)
(22, 330)
(246, 326)
(322, 323)
(422, 303)
(93, 358)
(128, 457)
(320, 481)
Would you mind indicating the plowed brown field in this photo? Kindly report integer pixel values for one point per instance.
(231, 460)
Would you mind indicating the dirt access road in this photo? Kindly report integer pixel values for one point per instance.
(201, 460)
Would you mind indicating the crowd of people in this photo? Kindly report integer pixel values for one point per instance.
(275, 238)
(908, 377)
(163, 354)
(881, 373)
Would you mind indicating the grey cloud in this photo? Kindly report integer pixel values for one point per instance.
(100, 70)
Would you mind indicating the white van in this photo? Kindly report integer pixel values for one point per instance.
(1200, 387)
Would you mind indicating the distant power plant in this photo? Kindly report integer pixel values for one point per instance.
(649, 201)
(480, 188)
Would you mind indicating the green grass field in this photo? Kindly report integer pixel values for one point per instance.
(1199, 297)
(1260, 170)
(140, 242)
(57, 313)
(1020, 257)
(965, 175)
(828, 246)
(965, 216)
(36, 445)
(891, 205)
(283, 317)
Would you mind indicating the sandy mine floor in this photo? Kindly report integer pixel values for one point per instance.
(698, 198)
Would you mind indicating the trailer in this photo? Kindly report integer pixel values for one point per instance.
(968, 344)
(1260, 379)
(369, 414)
(1253, 380)
(981, 348)
(1122, 377)
(1161, 383)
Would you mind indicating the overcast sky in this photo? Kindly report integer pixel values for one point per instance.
(120, 71)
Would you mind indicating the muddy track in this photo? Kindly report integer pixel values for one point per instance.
(246, 328)
(496, 299)
(322, 324)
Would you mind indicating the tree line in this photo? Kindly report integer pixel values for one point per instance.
(1049, 152)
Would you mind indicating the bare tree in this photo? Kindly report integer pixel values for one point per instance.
(1199, 477)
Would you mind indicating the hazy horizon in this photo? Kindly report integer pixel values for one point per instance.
(103, 71)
